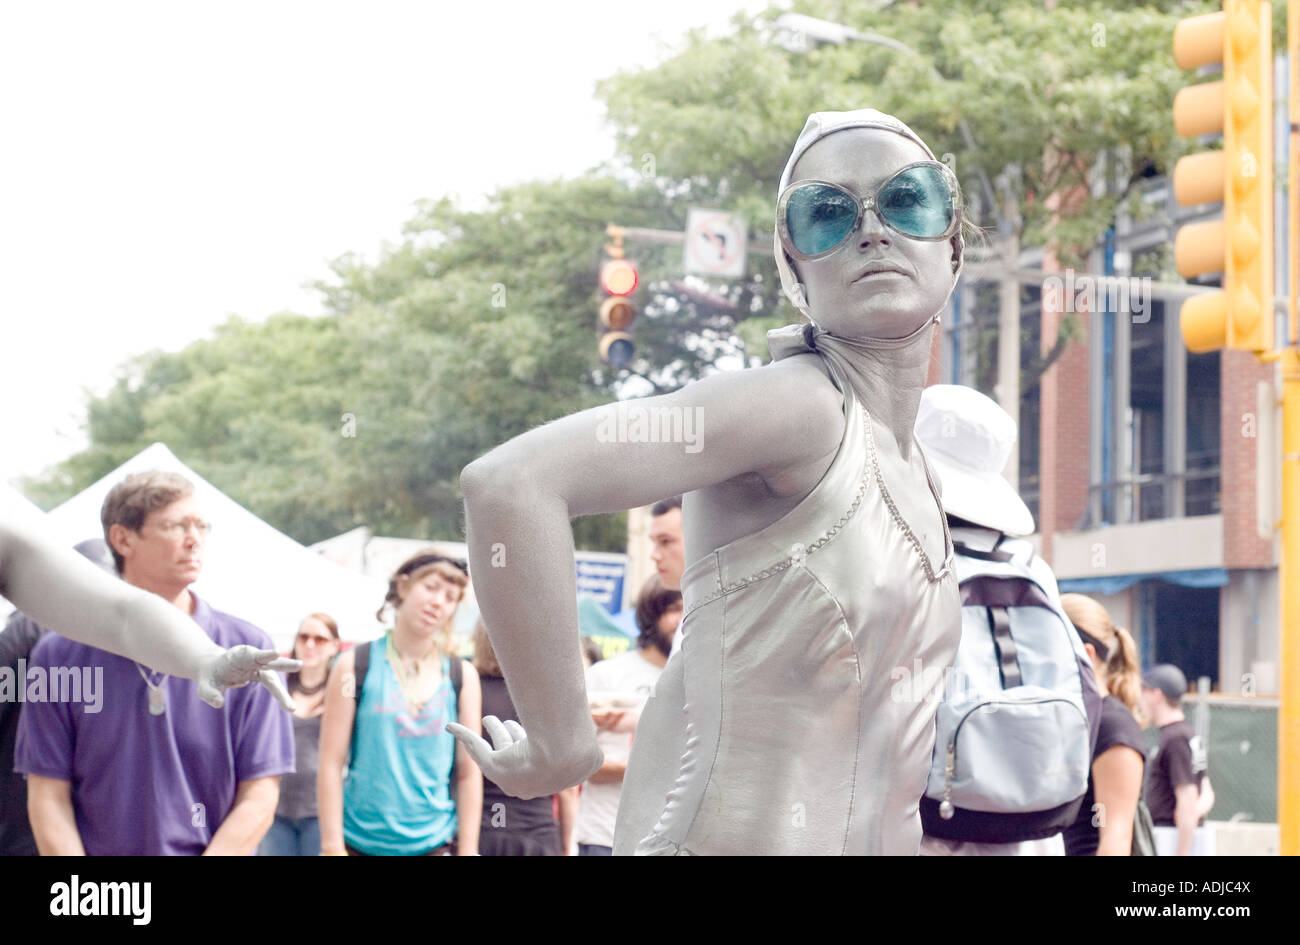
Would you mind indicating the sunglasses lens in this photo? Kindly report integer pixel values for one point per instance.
(918, 202)
(819, 217)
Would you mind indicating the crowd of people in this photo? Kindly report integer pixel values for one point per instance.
(364, 764)
(769, 705)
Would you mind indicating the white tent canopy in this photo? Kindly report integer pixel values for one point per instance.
(11, 498)
(250, 570)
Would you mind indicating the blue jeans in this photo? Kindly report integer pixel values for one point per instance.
(594, 849)
(291, 838)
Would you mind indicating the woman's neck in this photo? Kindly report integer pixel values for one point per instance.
(411, 644)
(890, 378)
(305, 706)
(312, 676)
(1100, 673)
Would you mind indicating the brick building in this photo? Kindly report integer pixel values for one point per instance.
(1139, 459)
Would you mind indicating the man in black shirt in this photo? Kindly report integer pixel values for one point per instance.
(1177, 769)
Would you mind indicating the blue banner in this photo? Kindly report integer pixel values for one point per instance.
(602, 578)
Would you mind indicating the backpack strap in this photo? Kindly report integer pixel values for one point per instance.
(360, 666)
(991, 555)
(1008, 664)
(457, 673)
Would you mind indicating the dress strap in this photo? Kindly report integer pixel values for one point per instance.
(932, 575)
(949, 548)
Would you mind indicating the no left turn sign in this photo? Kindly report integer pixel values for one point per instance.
(715, 244)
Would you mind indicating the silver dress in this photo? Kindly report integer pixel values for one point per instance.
(804, 730)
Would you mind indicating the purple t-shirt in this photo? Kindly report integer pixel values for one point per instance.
(142, 784)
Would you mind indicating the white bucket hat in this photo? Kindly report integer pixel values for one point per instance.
(967, 437)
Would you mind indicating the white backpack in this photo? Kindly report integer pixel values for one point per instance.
(1018, 721)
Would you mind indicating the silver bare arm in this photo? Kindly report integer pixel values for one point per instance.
(64, 592)
(520, 497)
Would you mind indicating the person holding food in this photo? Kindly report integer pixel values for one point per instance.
(617, 689)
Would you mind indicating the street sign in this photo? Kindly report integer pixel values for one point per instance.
(715, 244)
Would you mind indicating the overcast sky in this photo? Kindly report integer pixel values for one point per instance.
(166, 164)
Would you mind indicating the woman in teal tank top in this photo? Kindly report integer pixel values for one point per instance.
(407, 793)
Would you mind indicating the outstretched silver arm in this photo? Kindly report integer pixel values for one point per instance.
(64, 592)
(520, 497)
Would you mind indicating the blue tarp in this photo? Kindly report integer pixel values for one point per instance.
(595, 621)
(1114, 583)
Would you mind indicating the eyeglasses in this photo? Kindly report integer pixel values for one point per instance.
(922, 201)
(177, 529)
(310, 638)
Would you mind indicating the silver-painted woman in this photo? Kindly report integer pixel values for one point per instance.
(818, 559)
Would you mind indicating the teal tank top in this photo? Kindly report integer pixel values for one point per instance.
(397, 797)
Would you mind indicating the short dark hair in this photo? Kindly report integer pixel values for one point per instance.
(664, 506)
(130, 501)
(485, 658)
(653, 602)
(593, 651)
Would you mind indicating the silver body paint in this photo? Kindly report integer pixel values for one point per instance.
(773, 730)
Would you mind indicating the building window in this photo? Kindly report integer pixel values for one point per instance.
(1031, 333)
(1178, 625)
(1201, 492)
(1154, 421)
(975, 337)
(1142, 445)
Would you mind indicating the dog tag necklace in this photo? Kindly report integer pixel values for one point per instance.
(157, 698)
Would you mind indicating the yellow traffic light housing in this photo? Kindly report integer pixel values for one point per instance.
(1241, 175)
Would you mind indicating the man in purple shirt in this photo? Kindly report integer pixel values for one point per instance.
(146, 768)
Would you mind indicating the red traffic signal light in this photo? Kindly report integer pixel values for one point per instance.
(618, 277)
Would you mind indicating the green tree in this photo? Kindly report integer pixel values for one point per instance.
(481, 324)
(256, 409)
(1057, 97)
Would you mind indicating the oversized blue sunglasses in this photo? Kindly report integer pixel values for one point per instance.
(922, 201)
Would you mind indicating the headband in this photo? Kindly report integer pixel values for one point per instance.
(416, 563)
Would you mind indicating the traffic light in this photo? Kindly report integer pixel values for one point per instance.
(1241, 175)
(618, 280)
